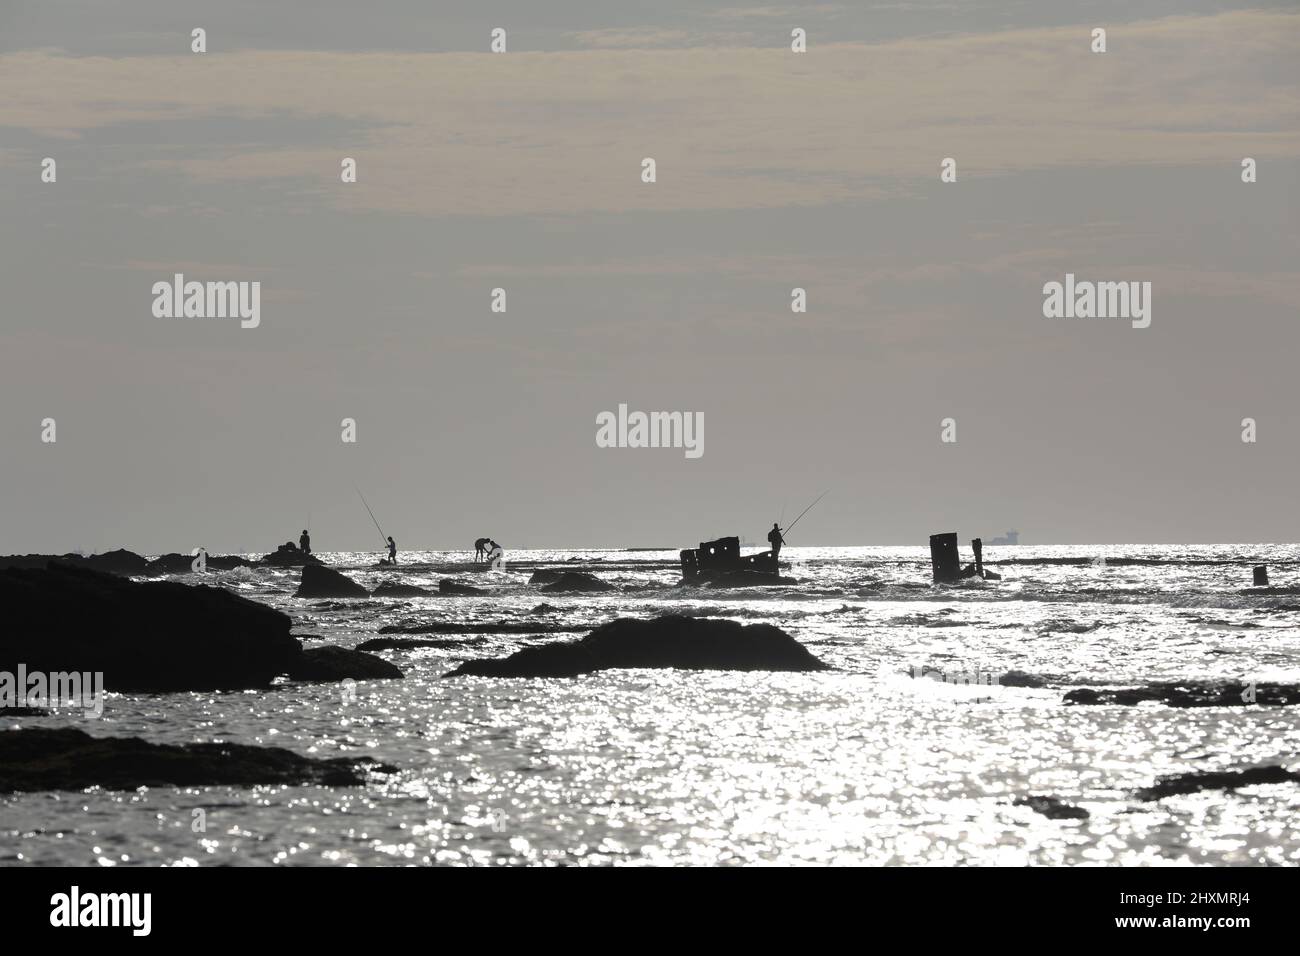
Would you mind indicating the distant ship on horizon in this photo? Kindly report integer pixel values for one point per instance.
(1011, 537)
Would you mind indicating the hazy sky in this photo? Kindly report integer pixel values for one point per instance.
(522, 170)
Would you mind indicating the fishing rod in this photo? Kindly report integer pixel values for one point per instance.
(371, 513)
(805, 511)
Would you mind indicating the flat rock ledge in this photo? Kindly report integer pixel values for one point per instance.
(1189, 694)
(686, 643)
(1195, 782)
(68, 759)
(576, 581)
(325, 664)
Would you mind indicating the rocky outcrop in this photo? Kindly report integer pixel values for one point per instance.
(576, 581)
(143, 636)
(67, 759)
(455, 588)
(392, 589)
(1197, 781)
(680, 642)
(288, 556)
(157, 636)
(324, 664)
(547, 575)
(184, 564)
(319, 581)
(120, 562)
(1189, 694)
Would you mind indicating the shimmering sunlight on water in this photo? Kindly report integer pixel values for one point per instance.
(863, 763)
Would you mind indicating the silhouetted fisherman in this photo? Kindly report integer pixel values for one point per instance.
(304, 543)
(392, 550)
(775, 540)
(480, 548)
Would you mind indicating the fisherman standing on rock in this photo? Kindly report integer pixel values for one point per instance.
(775, 540)
(304, 542)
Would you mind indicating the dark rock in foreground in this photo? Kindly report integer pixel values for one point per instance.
(395, 590)
(1215, 780)
(319, 581)
(66, 759)
(576, 581)
(340, 663)
(681, 642)
(146, 636)
(1188, 694)
(454, 588)
(158, 636)
(1053, 808)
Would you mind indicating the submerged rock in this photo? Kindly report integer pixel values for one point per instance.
(680, 642)
(576, 581)
(143, 636)
(414, 643)
(1189, 694)
(319, 581)
(744, 578)
(1197, 781)
(394, 590)
(485, 627)
(25, 712)
(67, 759)
(547, 575)
(454, 588)
(340, 663)
(1052, 807)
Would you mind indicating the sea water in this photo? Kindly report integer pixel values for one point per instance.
(875, 761)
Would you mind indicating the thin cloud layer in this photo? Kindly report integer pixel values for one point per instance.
(734, 128)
